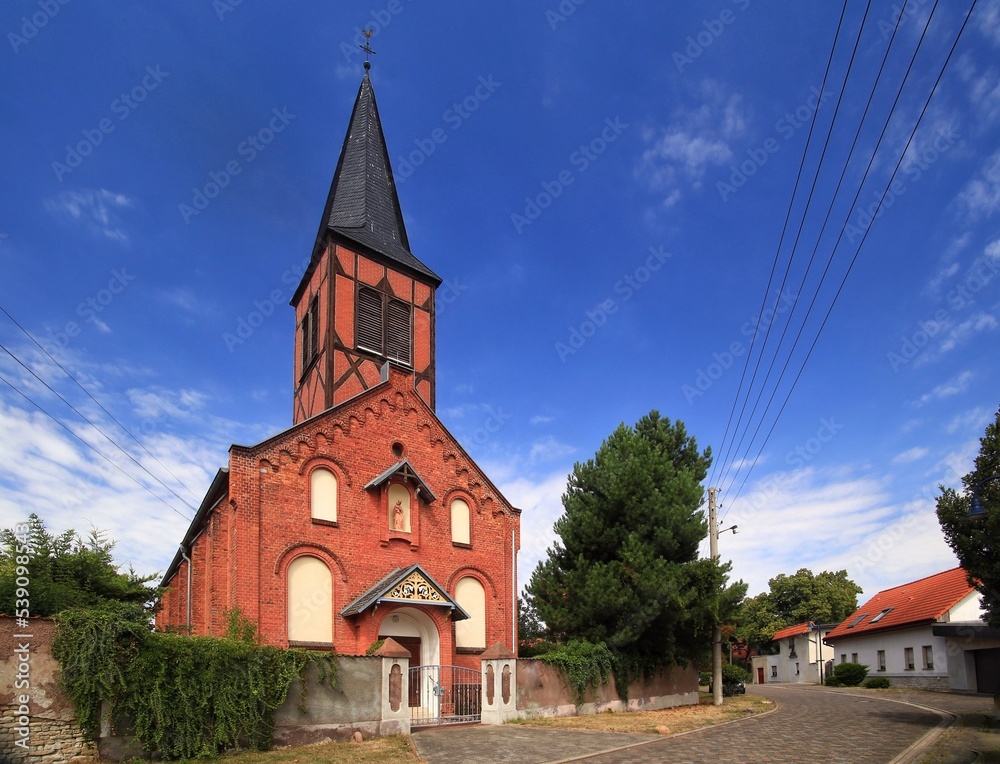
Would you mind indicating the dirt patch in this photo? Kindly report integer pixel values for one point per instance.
(396, 749)
(680, 719)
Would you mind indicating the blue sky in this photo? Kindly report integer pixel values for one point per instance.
(603, 191)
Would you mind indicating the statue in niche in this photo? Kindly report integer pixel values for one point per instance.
(397, 516)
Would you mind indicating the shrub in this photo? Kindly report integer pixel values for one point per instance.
(832, 681)
(878, 683)
(733, 674)
(587, 665)
(850, 674)
(705, 678)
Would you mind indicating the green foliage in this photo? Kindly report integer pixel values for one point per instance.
(977, 542)
(532, 648)
(878, 683)
(65, 571)
(849, 674)
(733, 674)
(529, 625)
(625, 571)
(832, 681)
(826, 597)
(586, 665)
(182, 696)
(238, 627)
(375, 646)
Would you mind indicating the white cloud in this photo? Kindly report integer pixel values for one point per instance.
(540, 498)
(539, 419)
(680, 154)
(981, 195)
(99, 210)
(831, 520)
(953, 386)
(934, 285)
(911, 455)
(959, 333)
(549, 450)
(988, 20)
(973, 420)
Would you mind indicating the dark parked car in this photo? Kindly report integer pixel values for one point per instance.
(730, 689)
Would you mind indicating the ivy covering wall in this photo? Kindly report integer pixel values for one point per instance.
(181, 696)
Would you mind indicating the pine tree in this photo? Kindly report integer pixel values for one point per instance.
(625, 570)
(977, 542)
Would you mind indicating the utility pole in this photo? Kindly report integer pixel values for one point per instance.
(713, 540)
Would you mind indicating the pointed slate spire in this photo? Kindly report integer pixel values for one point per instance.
(362, 204)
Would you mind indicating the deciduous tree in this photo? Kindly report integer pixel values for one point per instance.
(977, 542)
(64, 571)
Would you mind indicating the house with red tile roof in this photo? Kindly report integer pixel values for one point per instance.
(802, 655)
(926, 634)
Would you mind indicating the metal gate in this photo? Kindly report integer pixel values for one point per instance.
(444, 695)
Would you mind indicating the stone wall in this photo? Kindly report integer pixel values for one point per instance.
(917, 682)
(32, 694)
(543, 690)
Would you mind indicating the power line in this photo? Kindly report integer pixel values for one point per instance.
(864, 237)
(91, 447)
(94, 425)
(819, 237)
(777, 253)
(791, 256)
(836, 245)
(91, 396)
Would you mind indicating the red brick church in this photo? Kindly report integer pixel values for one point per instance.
(366, 518)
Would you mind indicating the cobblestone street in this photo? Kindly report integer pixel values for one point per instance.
(809, 724)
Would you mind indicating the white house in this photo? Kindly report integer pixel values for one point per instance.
(801, 655)
(927, 634)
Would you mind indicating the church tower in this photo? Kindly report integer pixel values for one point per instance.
(365, 299)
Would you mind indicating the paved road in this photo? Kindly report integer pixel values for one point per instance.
(810, 724)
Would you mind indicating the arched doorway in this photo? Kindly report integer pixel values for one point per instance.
(409, 623)
(415, 631)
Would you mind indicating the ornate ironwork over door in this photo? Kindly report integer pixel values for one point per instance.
(444, 695)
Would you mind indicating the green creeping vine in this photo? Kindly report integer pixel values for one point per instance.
(181, 696)
(587, 665)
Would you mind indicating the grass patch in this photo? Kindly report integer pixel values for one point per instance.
(680, 719)
(395, 749)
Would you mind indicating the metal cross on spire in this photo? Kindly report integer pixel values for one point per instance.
(367, 47)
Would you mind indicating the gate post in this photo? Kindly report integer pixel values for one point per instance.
(395, 688)
(499, 685)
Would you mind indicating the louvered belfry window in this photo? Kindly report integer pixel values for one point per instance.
(310, 334)
(397, 331)
(370, 320)
(384, 325)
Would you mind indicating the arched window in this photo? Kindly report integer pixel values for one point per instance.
(399, 508)
(469, 593)
(460, 522)
(310, 601)
(323, 495)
